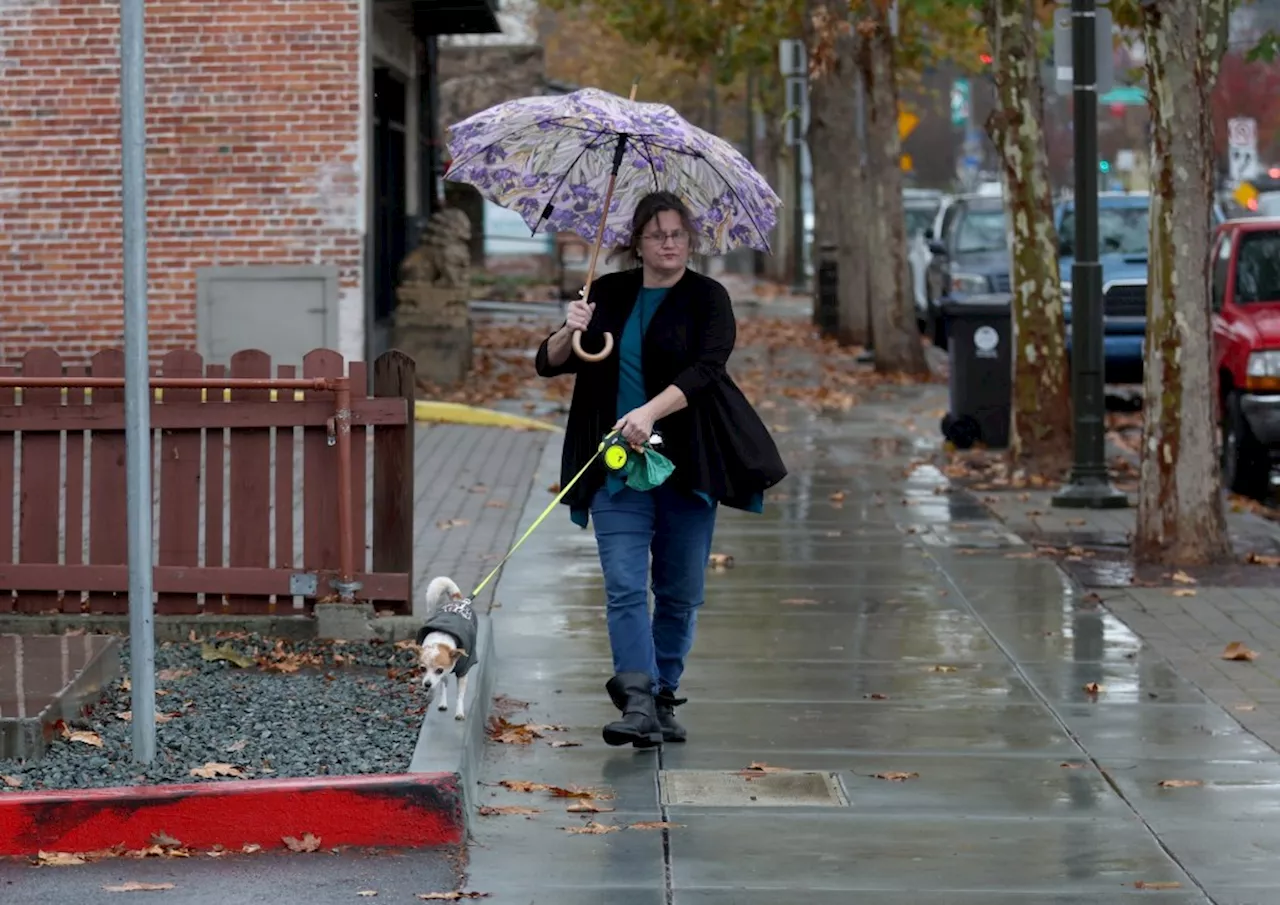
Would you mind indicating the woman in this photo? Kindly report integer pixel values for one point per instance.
(676, 330)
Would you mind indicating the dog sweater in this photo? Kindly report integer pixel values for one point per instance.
(455, 618)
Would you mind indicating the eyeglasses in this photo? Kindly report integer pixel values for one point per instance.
(677, 237)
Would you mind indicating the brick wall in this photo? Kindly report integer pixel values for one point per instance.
(253, 157)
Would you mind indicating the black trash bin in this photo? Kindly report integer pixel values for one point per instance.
(980, 331)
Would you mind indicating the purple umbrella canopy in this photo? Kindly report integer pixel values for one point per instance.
(549, 158)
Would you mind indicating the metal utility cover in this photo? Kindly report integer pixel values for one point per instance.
(739, 789)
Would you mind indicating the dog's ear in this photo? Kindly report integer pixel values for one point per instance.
(458, 654)
(422, 634)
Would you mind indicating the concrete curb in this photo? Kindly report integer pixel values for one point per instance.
(454, 748)
(401, 811)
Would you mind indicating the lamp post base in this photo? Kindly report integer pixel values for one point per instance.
(1089, 493)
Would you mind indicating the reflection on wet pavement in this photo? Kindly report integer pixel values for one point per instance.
(874, 623)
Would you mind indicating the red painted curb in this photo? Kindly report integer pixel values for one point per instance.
(412, 810)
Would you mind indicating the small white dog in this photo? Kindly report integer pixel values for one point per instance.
(447, 643)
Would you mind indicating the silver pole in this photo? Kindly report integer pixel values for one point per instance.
(137, 378)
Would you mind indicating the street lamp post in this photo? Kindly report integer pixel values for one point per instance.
(1089, 486)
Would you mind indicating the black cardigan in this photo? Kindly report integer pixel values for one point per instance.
(718, 444)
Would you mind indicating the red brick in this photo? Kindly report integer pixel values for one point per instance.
(253, 131)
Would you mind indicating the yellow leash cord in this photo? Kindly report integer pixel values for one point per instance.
(539, 520)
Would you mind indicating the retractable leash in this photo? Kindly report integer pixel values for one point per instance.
(616, 451)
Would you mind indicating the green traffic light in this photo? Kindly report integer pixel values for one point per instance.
(1104, 166)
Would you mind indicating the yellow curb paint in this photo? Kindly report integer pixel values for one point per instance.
(456, 413)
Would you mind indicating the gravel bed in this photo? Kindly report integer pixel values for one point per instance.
(290, 710)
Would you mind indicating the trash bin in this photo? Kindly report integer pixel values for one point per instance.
(980, 331)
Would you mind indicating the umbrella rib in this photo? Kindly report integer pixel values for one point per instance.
(742, 204)
(567, 170)
(649, 157)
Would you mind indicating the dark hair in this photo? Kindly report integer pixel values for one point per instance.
(647, 209)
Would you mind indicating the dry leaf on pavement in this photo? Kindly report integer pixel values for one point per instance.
(591, 829)
(720, 561)
(1184, 592)
(940, 668)
(580, 794)
(1182, 577)
(250, 848)
(1237, 651)
(505, 810)
(1143, 884)
(798, 601)
(212, 770)
(587, 807)
(135, 886)
(654, 825)
(59, 859)
(566, 744)
(876, 696)
(523, 785)
(83, 736)
(171, 675)
(1068, 765)
(1179, 783)
(308, 843)
(1094, 688)
(756, 769)
(446, 524)
(505, 732)
(13, 782)
(226, 653)
(451, 896)
(896, 776)
(1245, 708)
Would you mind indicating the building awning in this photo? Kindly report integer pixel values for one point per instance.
(444, 17)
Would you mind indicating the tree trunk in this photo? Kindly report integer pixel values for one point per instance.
(1181, 520)
(773, 164)
(893, 318)
(831, 137)
(1041, 430)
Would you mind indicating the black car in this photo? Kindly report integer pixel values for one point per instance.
(971, 257)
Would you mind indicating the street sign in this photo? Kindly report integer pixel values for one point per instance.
(1242, 141)
(1062, 66)
(907, 122)
(907, 163)
(791, 58)
(796, 120)
(960, 103)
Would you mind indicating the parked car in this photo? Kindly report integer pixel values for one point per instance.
(923, 209)
(1246, 338)
(969, 257)
(1123, 238)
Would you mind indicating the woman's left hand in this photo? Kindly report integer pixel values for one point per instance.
(636, 426)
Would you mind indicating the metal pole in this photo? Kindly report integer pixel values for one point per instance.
(137, 387)
(1089, 486)
(797, 213)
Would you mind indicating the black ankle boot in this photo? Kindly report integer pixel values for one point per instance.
(632, 693)
(665, 703)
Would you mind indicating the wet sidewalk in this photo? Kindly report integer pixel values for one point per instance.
(949, 724)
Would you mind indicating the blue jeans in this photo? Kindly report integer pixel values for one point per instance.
(676, 527)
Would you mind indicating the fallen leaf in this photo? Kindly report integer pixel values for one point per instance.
(1179, 783)
(1259, 559)
(135, 886)
(587, 807)
(876, 696)
(566, 744)
(59, 859)
(446, 524)
(521, 785)
(554, 488)
(507, 810)
(1182, 577)
(1067, 765)
(212, 770)
(591, 829)
(798, 601)
(172, 675)
(250, 848)
(13, 782)
(580, 794)
(367, 893)
(127, 716)
(225, 653)
(897, 777)
(504, 732)
(654, 825)
(83, 736)
(757, 768)
(1245, 708)
(1184, 592)
(939, 669)
(451, 896)
(1143, 884)
(721, 561)
(1094, 688)
(837, 497)
(495, 504)
(308, 843)
(1237, 651)
(164, 840)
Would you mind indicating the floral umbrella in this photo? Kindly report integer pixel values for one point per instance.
(562, 162)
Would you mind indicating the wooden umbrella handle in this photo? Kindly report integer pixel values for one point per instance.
(588, 356)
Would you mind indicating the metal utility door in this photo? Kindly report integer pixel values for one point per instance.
(284, 311)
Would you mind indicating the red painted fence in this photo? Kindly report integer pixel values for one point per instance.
(231, 476)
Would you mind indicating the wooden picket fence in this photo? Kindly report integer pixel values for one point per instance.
(245, 484)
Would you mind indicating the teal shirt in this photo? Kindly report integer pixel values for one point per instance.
(631, 391)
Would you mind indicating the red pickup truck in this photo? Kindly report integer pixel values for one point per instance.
(1246, 338)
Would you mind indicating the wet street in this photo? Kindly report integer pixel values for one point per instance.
(950, 721)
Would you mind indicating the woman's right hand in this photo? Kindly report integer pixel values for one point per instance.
(579, 315)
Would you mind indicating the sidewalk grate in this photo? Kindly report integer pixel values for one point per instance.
(737, 789)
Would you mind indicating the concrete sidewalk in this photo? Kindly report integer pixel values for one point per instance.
(956, 719)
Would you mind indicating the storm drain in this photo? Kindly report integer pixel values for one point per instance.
(737, 789)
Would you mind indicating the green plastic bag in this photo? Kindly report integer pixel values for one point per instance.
(647, 470)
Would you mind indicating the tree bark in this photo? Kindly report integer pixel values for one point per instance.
(893, 320)
(1040, 436)
(832, 136)
(1181, 519)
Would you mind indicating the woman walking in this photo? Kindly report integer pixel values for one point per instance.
(676, 331)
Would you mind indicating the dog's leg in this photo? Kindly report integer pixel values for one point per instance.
(461, 712)
(443, 686)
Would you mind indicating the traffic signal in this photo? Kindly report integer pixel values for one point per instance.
(1104, 166)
